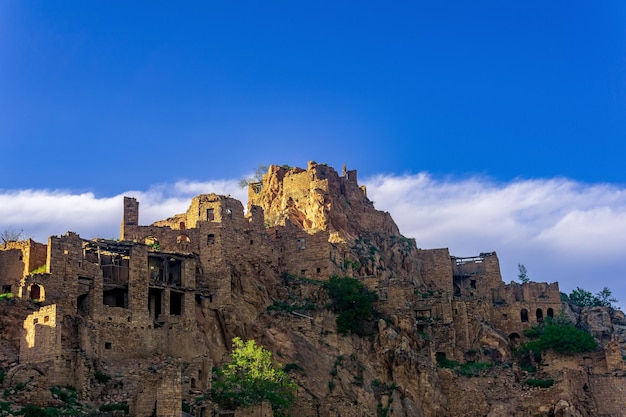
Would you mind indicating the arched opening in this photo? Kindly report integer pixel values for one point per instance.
(524, 314)
(514, 339)
(550, 313)
(182, 225)
(539, 315)
(36, 292)
(193, 383)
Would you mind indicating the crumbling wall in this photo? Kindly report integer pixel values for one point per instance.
(17, 260)
(159, 392)
(519, 306)
(41, 341)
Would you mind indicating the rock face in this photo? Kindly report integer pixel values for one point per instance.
(141, 322)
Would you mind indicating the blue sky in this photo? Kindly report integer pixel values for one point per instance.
(479, 125)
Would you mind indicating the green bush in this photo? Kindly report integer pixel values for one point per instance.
(539, 383)
(101, 377)
(528, 368)
(31, 410)
(114, 407)
(352, 302)
(560, 337)
(66, 394)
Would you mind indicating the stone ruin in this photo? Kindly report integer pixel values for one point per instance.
(155, 311)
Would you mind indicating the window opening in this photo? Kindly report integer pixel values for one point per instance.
(155, 302)
(539, 315)
(176, 303)
(550, 313)
(210, 214)
(115, 297)
(524, 314)
(210, 239)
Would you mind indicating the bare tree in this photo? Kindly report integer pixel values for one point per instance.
(11, 235)
(258, 176)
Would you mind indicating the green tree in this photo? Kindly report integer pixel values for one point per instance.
(522, 274)
(584, 298)
(250, 379)
(353, 303)
(605, 298)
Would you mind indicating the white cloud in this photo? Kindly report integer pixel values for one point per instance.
(42, 213)
(561, 230)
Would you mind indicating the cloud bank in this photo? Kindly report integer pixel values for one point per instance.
(560, 229)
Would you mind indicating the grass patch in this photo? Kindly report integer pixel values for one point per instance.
(39, 270)
(468, 369)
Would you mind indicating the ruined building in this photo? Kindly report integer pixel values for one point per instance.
(144, 319)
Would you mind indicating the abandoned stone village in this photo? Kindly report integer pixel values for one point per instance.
(143, 320)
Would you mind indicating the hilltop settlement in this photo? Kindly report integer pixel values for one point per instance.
(140, 324)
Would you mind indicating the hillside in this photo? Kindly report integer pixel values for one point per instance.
(140, 323)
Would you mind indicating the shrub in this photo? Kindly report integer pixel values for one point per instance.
(31, 410)
(66, 394)
(352, 302)
(101, 377)
(560, 337)
(540, 383)
(114, 407)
